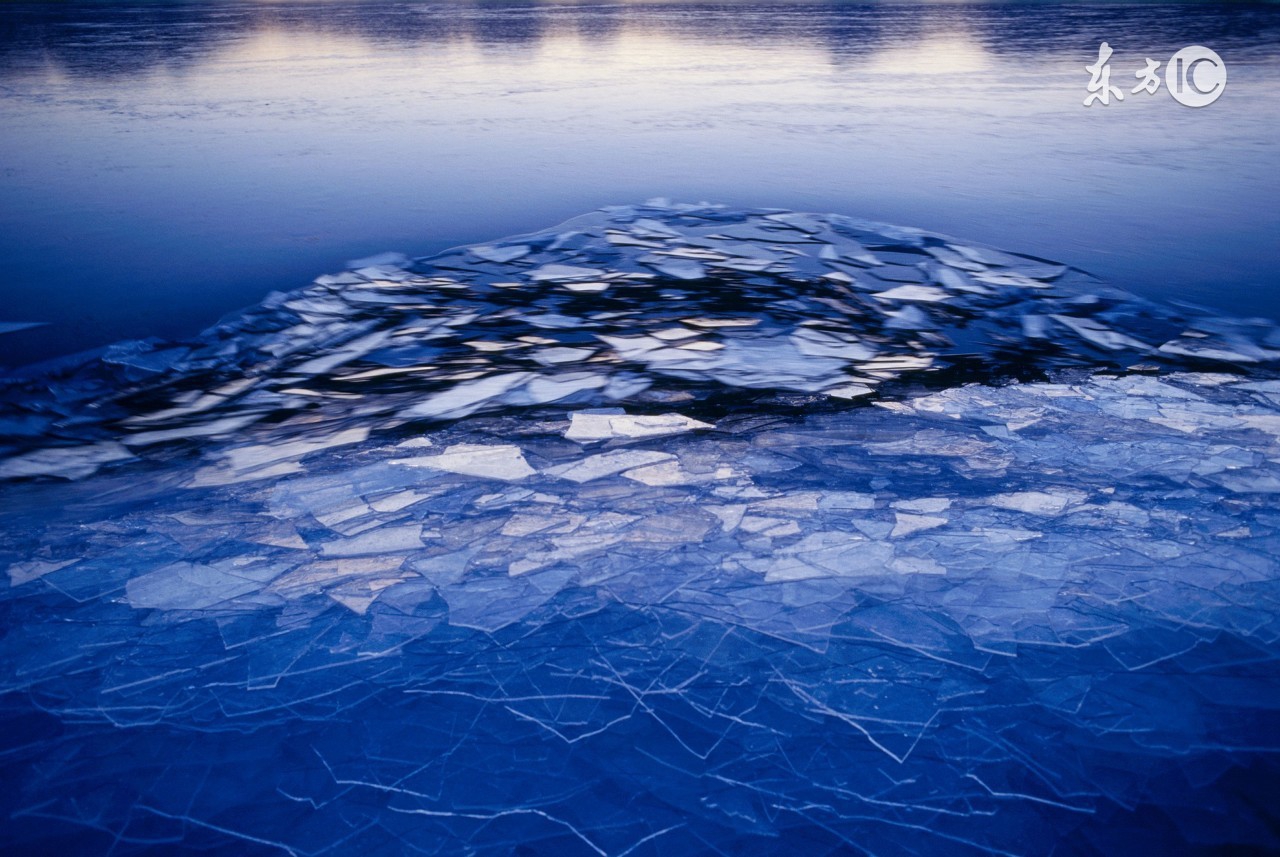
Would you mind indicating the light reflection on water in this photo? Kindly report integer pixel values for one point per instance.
(162, 164)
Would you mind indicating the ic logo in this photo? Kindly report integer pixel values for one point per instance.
(1195, 76)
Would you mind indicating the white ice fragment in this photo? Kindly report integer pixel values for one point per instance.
(952, 279)
(1035, 326)
(682, 526)
(68, 462)
(767, 526)
(397, 501)
(818, 343)
(1268, 423)
(345, 354)
(500, 255)
(923, 505)
(627, 239)
(802, 503)
(1099, 334)
(746, 265)
(1009, 278)
(674, 334)
(214, 428)
(1189, 418)
(1140, 385)
(905, 524)
(666, 473)
(358, 596)
(713, 323)
(845, 501)
(545, 389)
(556, 356)
(730, 515)
(466, 398)
(505, 462)
(849, 391)
(562, 273)
(624, 385)
(261, 455)
(916, 565)
(985, 256)
(948, 256)
(1238, 353)
(1039, 502)
(199, 586)
(379, 541)
(910, 317)
(488, 347)
(1006, 535)
(592, 427)
(526, 524)
(1215, 379)
(631, 347)
(607, 464)
(929, 294)
(24, 572)
(528, 564)
(839, 553)
(1252, 482)
(206, 477)
(678, 269)
(700, 253)
(648, 227)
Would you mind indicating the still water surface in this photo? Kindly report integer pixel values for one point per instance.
(162, 164)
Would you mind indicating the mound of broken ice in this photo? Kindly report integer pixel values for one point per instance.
(631, 305)
(463, 555)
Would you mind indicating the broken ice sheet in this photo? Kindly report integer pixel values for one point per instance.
(1048, 503)
(588, 426)
(497, 461)
(973, 610)
(264, 460)
(75, 462)
(502, 254)
(193, 586)
(607, 464)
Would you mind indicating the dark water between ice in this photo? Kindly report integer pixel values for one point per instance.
(161, 164)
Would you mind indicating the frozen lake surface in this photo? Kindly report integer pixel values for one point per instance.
(669, 530)
(162, 164)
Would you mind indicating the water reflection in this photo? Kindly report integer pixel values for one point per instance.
(97, 40)
(164, 163)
